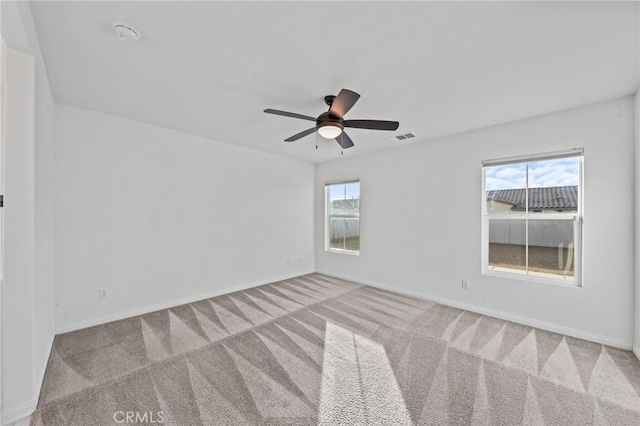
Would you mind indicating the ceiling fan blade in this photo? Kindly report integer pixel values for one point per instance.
(343, 102)
(300, 135)
(289, 114)
(344, 140)
(371, 124)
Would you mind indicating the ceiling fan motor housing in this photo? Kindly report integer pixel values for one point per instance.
(327, 119)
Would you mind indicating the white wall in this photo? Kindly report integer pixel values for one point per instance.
(28, 288)
(161, 217)
(421, 221)
(44, 180)
(18, 282)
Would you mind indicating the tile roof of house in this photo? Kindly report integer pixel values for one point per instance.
(551, 198)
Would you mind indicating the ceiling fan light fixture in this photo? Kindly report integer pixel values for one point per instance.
(330, 130)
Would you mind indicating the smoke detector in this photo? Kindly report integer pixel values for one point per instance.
(126, 32)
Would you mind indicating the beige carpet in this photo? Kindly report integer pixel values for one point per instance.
(318, 350)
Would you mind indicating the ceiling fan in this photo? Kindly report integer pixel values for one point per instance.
(331, 124)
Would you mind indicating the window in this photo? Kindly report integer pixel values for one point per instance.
(343, 217)
(532, 217)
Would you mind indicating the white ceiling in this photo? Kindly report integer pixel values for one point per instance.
(211, 68)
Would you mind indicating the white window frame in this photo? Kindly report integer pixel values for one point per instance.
(576, 217)
(328, 216)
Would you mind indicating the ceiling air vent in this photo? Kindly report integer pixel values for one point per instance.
(403, 137)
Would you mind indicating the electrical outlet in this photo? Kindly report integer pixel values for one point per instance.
(465, 284)
(103, 293)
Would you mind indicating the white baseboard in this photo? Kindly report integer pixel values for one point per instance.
(65, 328)
(636, 350)
(39, 378)
(580, 334)
(20, 414)
(25, 421)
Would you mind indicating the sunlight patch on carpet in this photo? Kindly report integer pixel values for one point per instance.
(358, 384)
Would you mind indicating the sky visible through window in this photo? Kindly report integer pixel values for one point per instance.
(345, 191)
(542, 174)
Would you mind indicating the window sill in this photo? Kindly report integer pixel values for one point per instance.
(535, 277)
(338, 251)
